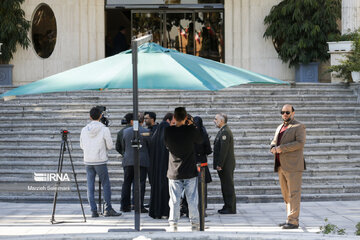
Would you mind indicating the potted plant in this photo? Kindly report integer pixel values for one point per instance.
(349, 69)
(13, 30)
(299, 30)
(341, 43)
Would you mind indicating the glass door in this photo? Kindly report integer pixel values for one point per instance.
(143, 22)
(209, 35)
(179, 33)
(195, 32)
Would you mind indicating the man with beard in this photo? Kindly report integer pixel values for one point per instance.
(224, 163)
(150, 121)
(288, 149)
(159, 160)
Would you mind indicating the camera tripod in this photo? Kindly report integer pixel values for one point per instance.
(64, 146)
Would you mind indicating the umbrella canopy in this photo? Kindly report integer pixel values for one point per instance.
(158, 68)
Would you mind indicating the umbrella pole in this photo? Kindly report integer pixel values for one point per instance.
(136, 141)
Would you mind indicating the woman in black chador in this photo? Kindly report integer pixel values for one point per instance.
(204, 149)
(159, 160)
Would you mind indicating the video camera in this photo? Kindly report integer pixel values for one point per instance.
(105, 116)
(127, 118)
(64, 134)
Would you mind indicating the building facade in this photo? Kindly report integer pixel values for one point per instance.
(229, 31)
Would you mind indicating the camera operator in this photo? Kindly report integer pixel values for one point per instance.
(95, 141)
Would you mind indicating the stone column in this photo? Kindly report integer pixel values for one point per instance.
(350, 15)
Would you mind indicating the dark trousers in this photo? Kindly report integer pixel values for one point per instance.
(126, 187)
(227, 189)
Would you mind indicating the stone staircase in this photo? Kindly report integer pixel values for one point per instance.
(30, 137)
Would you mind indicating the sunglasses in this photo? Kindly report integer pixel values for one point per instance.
(283, 112)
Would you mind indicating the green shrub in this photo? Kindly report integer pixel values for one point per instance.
(352, 61)
(331, 228)
(357, 229)
(300, 29)
(13, 29)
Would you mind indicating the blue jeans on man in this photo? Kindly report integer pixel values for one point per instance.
(102, 171)
(176, 188)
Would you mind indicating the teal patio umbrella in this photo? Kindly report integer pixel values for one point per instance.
(158, 68)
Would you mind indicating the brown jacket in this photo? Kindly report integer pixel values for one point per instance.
(292, 147)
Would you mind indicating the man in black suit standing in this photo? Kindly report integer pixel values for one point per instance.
(128, 164)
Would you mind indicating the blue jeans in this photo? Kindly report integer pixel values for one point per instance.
(176, 187)
(102, 171)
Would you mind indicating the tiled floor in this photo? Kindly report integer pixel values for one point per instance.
(32, 221)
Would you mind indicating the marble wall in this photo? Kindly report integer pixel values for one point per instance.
(245, 46)
(80, 39)
(350, 15)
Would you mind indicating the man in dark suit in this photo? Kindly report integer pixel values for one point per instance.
(127, 121)
(224, 163)
(288, 149)
(128, 164)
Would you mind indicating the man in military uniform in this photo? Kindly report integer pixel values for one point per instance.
(224, 163)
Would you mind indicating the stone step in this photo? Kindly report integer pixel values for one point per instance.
(162, 103)
(211, 199)
(213, 190)
(248, 181)
(276, 90)
(239, 148)
(46, 164)
(265, 133)
(30, 138)
(26, 140)
(116, 116)
(307, 86)
(233, 125)
(14, 137)
(244, 194)
(239, 156)
(239, 174)
(193, 104)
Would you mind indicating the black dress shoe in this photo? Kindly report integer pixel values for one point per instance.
(125, 209)
(290, 226)
(144, 210)
(94, 214)
(282, 224)
(111, 213)
(221, 210)
(226, 211)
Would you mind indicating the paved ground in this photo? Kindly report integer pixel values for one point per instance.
(252, 221)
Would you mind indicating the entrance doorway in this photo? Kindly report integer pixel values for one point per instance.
(196, 32)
